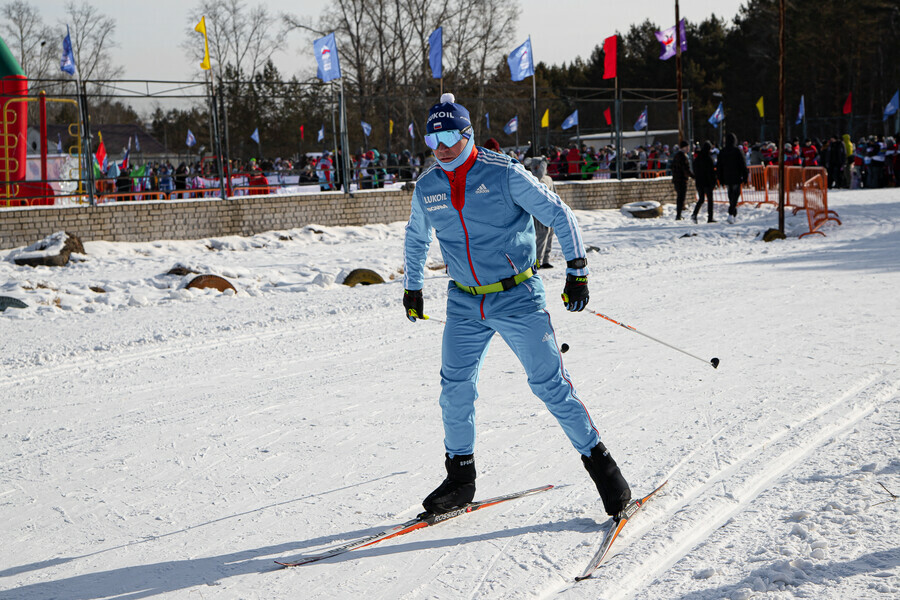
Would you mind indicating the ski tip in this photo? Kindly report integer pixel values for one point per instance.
(583, 577)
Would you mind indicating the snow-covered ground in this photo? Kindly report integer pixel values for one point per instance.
(163, 442)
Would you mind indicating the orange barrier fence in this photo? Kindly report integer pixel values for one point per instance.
(762, 186)
(756, 189)
(134, 196)
(815, 201)
(195, 193)
(653, 173)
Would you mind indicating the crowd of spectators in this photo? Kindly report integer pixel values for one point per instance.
(872, 162)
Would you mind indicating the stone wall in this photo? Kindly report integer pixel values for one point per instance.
(248, 215)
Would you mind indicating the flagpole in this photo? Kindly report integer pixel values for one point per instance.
(217, 142)
(646, 130)
(804, 120)
(534, 129)
(345, 143)
(850, 123)
(334, 137)
(224, 149)
(85, 129)
(781, 187)
(577, 127)
(678, 71)
(618, 129)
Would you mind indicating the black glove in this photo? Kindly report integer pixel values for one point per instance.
(414, 304)
(575, 295)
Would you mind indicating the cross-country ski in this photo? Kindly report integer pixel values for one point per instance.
(615, 528)
(425, 519)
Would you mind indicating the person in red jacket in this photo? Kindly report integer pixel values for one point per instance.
(791, 159)
(257, 179)
(573, 160)
(809, 154)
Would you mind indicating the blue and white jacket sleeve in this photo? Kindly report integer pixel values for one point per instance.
(415, 246)
(549, 209)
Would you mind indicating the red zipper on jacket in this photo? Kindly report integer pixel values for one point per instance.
(457, 180)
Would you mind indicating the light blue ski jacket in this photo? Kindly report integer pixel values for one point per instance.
(481, 213)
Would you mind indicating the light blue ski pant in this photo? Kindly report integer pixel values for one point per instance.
(532, 339)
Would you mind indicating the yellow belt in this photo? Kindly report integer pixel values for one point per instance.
(500, 286)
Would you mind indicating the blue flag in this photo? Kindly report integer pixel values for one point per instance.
(487, 119)
(436, 52)
(571, 120)
(512, 126)
(802, 112)
(521, 62)
(137, 143)
(191, 140)
(329, 65)
(321, 134)
(893, 106)
(255, 135)
(641, 123)
(67, 63)
(367, 129)
(717, 117)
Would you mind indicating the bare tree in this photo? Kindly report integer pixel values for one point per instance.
(33, 44)
(239, 36)
(383, 47)
(481, 34)
(92, 40)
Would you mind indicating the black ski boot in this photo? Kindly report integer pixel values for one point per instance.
(613, 488)
(457, 490)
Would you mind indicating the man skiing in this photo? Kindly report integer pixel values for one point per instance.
(480, 205)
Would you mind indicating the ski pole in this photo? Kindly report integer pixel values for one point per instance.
(714, 361)
(425, 317)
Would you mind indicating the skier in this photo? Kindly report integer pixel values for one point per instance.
(480, 205)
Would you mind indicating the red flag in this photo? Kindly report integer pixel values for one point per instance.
(301, 133)
(101, 155)
(848, 104)
(609, 61)
(608, 115)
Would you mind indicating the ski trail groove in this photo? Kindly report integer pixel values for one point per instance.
(694, 519)
(698, 513)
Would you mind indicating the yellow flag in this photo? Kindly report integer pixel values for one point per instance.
(201, 27)
(759, 107)
(391, 128)
(545, 120)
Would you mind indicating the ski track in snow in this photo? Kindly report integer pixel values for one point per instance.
(167, 443)
(676, 523)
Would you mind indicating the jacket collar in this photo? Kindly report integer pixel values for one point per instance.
(457, 162)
